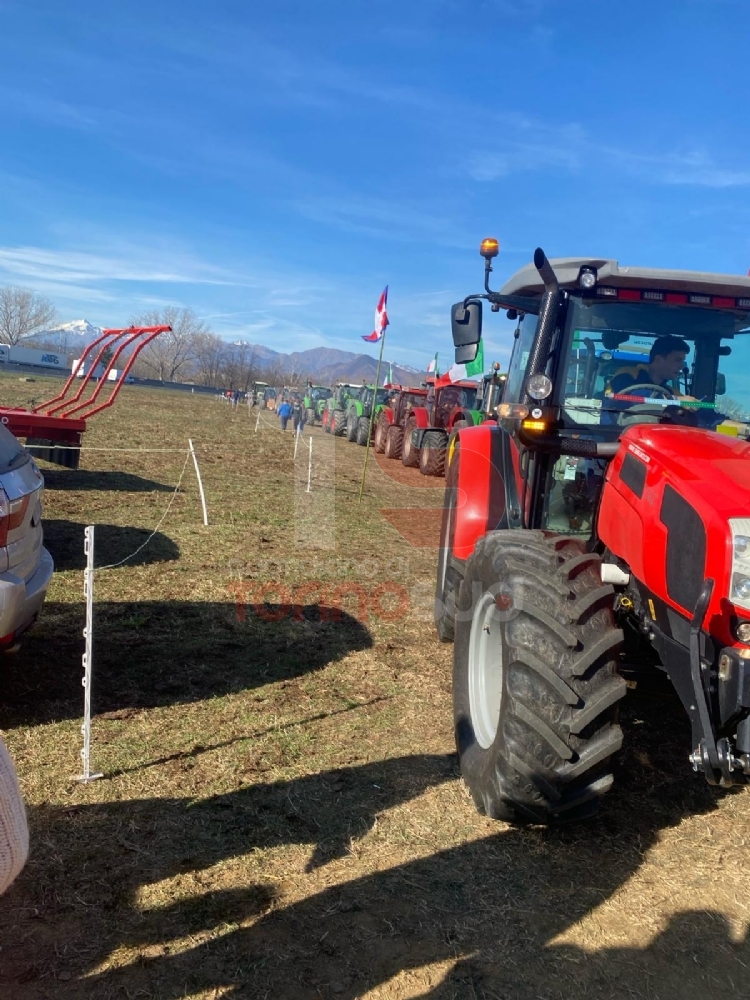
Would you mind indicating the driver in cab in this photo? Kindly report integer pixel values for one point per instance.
(666, 361)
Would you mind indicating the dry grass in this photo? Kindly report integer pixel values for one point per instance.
(281, 814)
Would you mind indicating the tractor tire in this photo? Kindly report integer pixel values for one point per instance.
(339, 422)
(351, 427)
(535, 679)
(380, 432)
(432, 453)
(363, 430)
(310, 416)
(450, 571)
(394, 440)
(409, 454)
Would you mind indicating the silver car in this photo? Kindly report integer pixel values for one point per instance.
(25, 565)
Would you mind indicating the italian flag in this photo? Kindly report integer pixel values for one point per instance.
(432, 366)
(457, 373)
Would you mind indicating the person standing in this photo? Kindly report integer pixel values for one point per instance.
(298, 416)
(284, 411)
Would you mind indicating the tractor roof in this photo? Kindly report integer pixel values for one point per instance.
(609, 272)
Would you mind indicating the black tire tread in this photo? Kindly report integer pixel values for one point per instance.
(432, 453)
(409, 455)
(558, 730)
(394, 440)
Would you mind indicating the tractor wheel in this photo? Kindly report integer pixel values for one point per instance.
(339, 422)
(363, 430)
(535, 678)
(409, 454)
(380, 432)
(394, 440)
(432, 453)
(351, 427)
(450, 572)
(310, 416)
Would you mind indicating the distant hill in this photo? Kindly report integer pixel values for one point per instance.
(328, 365)
(323, 364)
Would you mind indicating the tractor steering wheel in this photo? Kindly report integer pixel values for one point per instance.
(653, 386)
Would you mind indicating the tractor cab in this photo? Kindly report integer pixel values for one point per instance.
(600, 525)
(598, 349)
(490, 392)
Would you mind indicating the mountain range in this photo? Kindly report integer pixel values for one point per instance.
(323, 364)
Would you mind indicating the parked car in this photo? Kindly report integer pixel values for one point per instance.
(25, 565)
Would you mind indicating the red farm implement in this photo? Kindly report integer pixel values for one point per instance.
(56, 425)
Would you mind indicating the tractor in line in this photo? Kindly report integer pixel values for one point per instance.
(598, 526)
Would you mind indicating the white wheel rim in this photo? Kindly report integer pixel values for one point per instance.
(485, 671)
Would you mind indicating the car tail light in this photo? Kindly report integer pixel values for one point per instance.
(12, 513)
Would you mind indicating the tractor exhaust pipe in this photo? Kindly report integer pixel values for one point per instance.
(549, 308)
(546, 273)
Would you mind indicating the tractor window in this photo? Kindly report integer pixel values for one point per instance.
(650, 362)
(520, 357)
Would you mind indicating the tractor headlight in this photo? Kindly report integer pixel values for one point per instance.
(539, 386)
(740, 585)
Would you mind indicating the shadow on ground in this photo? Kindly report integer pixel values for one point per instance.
(89, 479)
(113, 542)
(485, 915)
(150, 653)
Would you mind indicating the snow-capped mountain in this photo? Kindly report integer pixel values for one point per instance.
(68, 336)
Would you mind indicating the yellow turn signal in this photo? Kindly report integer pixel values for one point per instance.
(534, 425)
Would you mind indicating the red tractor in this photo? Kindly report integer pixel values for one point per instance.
(428, 428)
(602, 523)
(389, 430)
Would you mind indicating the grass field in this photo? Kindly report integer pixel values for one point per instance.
(281, 814)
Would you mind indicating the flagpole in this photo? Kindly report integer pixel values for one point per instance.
(372, 416)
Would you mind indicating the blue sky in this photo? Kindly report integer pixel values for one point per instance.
(273, 165)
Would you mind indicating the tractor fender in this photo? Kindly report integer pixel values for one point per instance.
(472, 418)
(420, 416)
(356, 407)
(485, 484)
(387, 413)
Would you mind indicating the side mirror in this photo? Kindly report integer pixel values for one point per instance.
(721, 384)
(466, 327)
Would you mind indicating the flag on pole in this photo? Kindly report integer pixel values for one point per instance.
(432, 366)
(381, 319)
(456, 373)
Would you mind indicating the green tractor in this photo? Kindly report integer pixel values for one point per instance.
(359, 411)
(315, 402)
(334, 414)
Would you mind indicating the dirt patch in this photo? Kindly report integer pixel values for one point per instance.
(282, 814)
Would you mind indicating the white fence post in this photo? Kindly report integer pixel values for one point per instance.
(200, 483)
(309, 468)
(88, 634)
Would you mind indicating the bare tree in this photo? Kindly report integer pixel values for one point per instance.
(171, 354)
(209, 350)
(732, 408)
(23, 312)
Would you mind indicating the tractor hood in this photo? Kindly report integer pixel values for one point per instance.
(665, 509)
(713, 467)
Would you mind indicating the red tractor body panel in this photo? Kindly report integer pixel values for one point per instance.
(480, 502)
(421, 416)
(668, 494)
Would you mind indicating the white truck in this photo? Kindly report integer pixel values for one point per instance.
(31, 356)
(79, 370)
